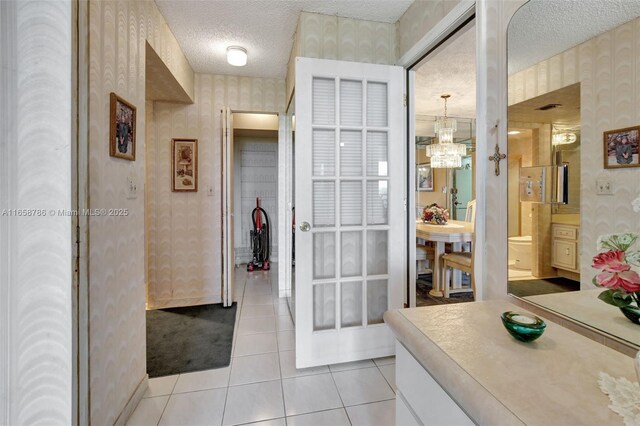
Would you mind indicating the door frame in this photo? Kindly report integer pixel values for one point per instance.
(460, 15)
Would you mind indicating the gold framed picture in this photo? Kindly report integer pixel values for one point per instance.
(621, 148)
(122, 134)
(184, 166)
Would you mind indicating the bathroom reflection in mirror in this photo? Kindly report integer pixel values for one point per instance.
(572, 76)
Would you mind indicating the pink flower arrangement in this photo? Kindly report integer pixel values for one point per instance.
(435, 214)
(616, 262)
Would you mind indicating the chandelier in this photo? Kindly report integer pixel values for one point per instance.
(446, 153)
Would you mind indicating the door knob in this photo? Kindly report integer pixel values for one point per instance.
(304, 226)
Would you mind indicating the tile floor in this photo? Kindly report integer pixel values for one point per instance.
(262, 385)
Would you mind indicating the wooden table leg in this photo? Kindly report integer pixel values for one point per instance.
(436, 290)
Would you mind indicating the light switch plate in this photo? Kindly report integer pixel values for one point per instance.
(604, 187)
(132, 189)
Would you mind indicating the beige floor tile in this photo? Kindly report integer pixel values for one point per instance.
(257, 299)
(159, 386)
(362, 386)
(310, 393)
(336, 417)
(385, 360)
(284, 323)
(256, 325)
(148, 411)
(257, 311)
(352, 365)
(286, 340)
(288, 366)
(254, 344)
(202, 380)
(254, 368)
(195, 408)
(273, 422)
(253, 403)
(374, 414)
(389, 373)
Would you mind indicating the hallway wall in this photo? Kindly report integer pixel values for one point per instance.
(184, 230)
(608, 73)
(117, 353)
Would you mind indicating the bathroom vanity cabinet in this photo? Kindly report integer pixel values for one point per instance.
(564, 252)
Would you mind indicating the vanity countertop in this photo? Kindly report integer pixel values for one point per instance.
(566, 219)
(499, 380)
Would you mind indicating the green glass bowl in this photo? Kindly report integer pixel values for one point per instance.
(523, 327)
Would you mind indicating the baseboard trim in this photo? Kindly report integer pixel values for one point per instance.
(133, 402)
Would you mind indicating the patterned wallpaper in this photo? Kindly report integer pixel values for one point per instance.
(418, 20)
(184, 228)
(35, 251)
(607, 68)
(117, 34)
(345, 39)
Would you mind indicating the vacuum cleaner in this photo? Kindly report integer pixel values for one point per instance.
(260, 237)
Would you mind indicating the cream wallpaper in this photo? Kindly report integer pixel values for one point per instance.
(36, 314)
(117, 355)
(184, 230)
(609, 73)
(345, 39)
(418, 20)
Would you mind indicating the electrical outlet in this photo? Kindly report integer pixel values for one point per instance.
(210, 191)
(132, 189)
(604, 187)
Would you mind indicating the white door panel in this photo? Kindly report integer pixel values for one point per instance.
(350, 190)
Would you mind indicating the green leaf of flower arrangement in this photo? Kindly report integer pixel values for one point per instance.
(615, 298)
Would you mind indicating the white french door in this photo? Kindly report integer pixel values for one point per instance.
(350, 191)
(228, 261)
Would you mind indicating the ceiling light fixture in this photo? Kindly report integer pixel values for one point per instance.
(237, 56)
(445, 153)
(564, 138)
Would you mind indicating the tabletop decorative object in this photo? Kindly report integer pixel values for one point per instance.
(523, 327)
(434, 214)
(618, 261)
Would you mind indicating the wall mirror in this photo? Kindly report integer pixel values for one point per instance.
(573, 76)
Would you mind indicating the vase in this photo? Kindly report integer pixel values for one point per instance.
(631, 312)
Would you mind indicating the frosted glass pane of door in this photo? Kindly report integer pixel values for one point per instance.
(351, 254)
(350, 103)
(324, 152)
(351, 304)
(324, 204)
(377, 104)
(377, 202)
(324, 306)
(350, 203)
(324, 255)
(376, 300)
(324, 101)
(350, 153)
(377, 252)
(377, 154)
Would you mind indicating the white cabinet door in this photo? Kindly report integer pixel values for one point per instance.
(350, 183)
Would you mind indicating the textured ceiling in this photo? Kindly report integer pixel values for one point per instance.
(543, 28)
(567, 113)
(451, 70)
(205, 28)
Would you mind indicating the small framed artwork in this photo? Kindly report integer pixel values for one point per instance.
(122, 135)
(424, 177)
(621, 148)
(184, 167)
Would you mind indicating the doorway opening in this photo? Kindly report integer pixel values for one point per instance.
(442, 198)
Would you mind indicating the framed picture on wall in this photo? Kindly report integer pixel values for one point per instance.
(424, 177)
(621, 148)
(122, 134)
(184, 166)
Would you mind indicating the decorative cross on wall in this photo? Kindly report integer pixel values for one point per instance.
(496, 159)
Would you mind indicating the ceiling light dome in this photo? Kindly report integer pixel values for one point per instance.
(237, 56)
